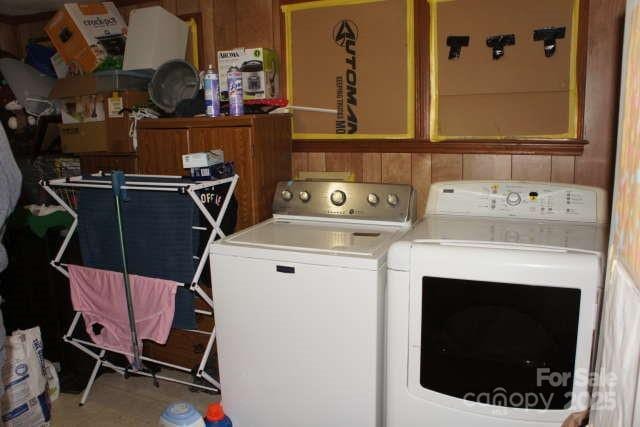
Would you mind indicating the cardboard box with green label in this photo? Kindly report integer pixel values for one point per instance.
(259, 68)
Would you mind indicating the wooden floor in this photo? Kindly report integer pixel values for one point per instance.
(115, 401)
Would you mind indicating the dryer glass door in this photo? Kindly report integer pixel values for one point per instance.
(483, 339)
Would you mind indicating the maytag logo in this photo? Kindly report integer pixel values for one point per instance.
(345, 35)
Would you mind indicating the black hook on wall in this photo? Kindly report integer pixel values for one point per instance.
(549, 35)
(456, 43)
(498, 42)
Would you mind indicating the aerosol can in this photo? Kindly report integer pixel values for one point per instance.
(236, 101)
(211, 92)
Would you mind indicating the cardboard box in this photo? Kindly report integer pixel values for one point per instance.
(259, 68)
(84, 137)
(523, 94)
(357, 58)
(155, 37)
(91, 112)
(85, 35)
(202, 159)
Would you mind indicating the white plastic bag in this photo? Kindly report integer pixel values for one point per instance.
(25, 402)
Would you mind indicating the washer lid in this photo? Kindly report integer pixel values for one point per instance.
(334, 243)
(337, 239)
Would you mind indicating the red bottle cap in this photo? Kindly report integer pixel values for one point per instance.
(215, 412)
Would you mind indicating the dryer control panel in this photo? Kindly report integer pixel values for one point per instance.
(518, 199)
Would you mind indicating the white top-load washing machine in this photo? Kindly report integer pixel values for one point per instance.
(493, 304)
(299, 306)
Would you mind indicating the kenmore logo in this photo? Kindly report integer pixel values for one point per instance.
(99, 22)
(345, 34)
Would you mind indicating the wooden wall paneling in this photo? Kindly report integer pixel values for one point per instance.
(209, 47)
(254, 23)
(276, 16)
(421, 179)
(126, 9)
(486, 166)
(356, 166)
(299, 163)
(186, 7)
(8, 38)
(336, 162)
(224, 23)
(316, 162)
(531, 168)
(396, 168)
(606, 21)
(562, 169)
(372, 167)
(347, 162)
(446, 167)
(170, 5)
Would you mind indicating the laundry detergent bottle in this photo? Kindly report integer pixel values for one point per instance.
(215, 416)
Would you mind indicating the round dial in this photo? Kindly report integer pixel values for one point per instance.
(513, 199)
(338, 198)
(392, 199)
(286, 195)
(373, 199)
(304, 196)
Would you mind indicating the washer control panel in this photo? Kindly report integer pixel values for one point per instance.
(518, 199)
(362, 201)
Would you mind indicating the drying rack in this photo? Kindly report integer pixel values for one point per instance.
(189, 189)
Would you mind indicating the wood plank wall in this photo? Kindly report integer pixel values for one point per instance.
(257, 23)
(422, 169)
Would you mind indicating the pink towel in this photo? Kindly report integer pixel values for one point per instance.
(100, 296)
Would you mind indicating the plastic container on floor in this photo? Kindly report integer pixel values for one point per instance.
(181, 414)
(215, 416)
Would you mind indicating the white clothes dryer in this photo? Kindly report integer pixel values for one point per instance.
(492, 305)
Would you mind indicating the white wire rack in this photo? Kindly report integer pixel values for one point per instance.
(188, 188)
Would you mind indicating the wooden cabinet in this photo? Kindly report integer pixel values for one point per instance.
(259, 146)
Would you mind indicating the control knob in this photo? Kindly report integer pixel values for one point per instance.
(513, 199)
(373, 199)
(286, 195)
(304, 196)
(392, 199)
(338, 198)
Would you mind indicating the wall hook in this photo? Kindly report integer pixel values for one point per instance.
(549, 36)
(456, 43)
(497, 44)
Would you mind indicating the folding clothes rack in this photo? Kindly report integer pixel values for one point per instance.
(98, 352)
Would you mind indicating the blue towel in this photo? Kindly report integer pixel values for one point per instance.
(159, 239)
